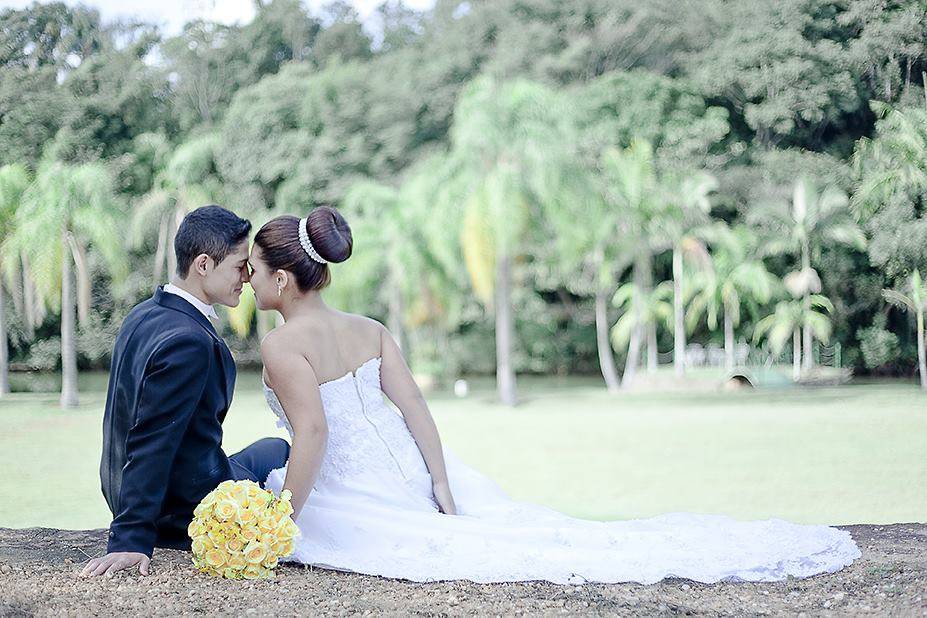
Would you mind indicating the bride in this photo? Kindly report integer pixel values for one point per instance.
(374, 491)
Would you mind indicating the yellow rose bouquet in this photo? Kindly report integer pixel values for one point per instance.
(240, 531)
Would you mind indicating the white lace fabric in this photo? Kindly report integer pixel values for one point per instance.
(372, 511)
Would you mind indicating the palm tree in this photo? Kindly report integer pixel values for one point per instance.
(586, 226)
(509, 144)
(737, 276)
(631, 189)
(407, 261)
(380, 221)
(803, 228)
(187, 181)
(913, 297)
(790, 317)
(66, 212)
(683, 224)
(643, 309)
(13, 182)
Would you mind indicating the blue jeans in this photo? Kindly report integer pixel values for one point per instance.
(255, 462)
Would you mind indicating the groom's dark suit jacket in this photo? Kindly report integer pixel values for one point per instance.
(170, 386)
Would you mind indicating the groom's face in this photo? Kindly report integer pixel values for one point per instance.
(224, 281)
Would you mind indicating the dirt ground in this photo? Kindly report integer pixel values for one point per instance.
(38, 569)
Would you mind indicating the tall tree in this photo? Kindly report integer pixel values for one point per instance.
(642, 309)
(631, 188)
(737, 277)
(913, 297)
(683, 223)
(891, 193)
(814, 220)
(188, 180)
(508, 150)
(788, 321)
(69, 213)
(13, 182)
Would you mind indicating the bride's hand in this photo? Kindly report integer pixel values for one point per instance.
(444, 498)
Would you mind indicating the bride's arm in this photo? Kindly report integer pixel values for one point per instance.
(291, 377)
(399, 385)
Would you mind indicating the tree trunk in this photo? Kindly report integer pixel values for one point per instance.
(808, 359)
(652, 348)
(921, 358)
(634, 342)
(29, 301)
(172, 234)
(796, 355)
(606, 359)
(728, 340)
(68, 344)
(679, 317)
(160, 252)
(505, 327)
(4, 357)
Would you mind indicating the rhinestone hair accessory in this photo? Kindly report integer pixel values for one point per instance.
(307, 245)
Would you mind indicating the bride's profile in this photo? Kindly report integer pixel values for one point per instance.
(375, 492)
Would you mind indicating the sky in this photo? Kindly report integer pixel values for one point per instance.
(172, 14)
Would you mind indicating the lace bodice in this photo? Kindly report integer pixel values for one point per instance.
(365, 435)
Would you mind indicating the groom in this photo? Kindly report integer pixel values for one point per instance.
(170, 386)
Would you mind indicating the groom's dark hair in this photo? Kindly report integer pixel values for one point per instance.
(212, 230)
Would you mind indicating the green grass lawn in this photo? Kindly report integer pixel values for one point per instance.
(853, 454)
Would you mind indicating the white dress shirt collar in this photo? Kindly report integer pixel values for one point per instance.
(202, 307)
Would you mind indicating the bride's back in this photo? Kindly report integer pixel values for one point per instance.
(334, 342)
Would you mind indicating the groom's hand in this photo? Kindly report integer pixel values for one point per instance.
(116, 561)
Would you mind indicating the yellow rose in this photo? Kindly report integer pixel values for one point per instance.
(288, 548)
(267, 524)
(246, 516)
(250, 533)
(225, 486)
(199, 545)
(218, 537)
(253, 571)
(196, 528)
(283, 506)
(279, 548)
(233, 545)
(237, 561)
(255, 552)
(290, 529)
(270, 562)
(215, 558)
(230, 573)
(225, 510)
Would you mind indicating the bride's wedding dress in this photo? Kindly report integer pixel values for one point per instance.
(372, 511)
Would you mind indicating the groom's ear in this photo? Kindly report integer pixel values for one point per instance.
(200, 265)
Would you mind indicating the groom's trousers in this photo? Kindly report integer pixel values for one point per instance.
(255, 462)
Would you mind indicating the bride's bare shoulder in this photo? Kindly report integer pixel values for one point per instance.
(362, 323)
(277, 341)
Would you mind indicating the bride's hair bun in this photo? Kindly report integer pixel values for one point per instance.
(329, 234)
(281, 249)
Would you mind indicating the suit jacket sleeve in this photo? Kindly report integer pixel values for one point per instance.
(171, 388)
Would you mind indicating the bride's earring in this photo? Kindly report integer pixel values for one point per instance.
(279, 288)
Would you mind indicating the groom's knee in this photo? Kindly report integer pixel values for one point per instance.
(271, 451)
(279, 449)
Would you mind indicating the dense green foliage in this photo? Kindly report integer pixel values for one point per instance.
(508, 166)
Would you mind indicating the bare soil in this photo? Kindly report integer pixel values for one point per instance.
(38, 577)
